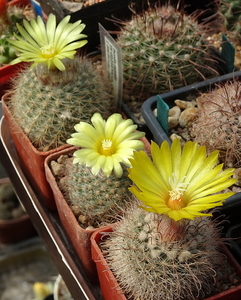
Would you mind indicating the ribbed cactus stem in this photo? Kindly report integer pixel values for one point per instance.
(162, 50)
(95, 199)
(173, 261)
(216, 123)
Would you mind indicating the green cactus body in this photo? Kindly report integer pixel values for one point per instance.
(47, 104)
(164, 50)
(229, 12)
(95, 200)
(217, 122)
(173, 260)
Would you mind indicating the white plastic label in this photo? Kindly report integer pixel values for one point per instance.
(112, 62)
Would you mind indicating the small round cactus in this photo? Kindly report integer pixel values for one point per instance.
(162, 50)
(216, 123)
(173, 260)
(48, 104)
(94, 199)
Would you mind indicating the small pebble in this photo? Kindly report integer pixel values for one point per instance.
(187, 115)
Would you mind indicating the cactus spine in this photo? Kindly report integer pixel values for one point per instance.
(162, 50)
(48, 103)
(174, 260)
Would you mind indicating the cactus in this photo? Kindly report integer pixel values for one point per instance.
(49, 105)
(94, 199)
(162, 50)
(228, 20)
(231, 12)
(170, 240)
(59, 88)
(216, 123)
(173, 260)
(96, 182)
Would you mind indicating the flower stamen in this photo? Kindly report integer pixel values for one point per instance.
(48, 51)
(175, 202)
(106, 147)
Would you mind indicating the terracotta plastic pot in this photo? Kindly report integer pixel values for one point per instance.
(111, 289)
(7, 72)
(17, 229)
(31, 160)
(18, 3)
(79, 237)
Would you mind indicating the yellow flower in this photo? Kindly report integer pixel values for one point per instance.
(42, 290)
(106, 144)
(179, 182)
(48, 44)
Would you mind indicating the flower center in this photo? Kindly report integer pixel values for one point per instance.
(48, 51)
(106, 147)
(175, 201)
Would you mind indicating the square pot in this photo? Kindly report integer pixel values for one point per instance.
(78, 236)
(112, 291)
(151, 104)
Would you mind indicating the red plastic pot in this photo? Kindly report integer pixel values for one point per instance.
(111, 289)
(79, 237)
(8, 72)
(30, 159)
(20, 3)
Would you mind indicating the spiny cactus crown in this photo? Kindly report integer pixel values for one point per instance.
(162, 50)
(217, 122)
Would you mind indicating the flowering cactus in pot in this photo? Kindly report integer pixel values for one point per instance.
(167, 237)
(90, 182)
(64, 88)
